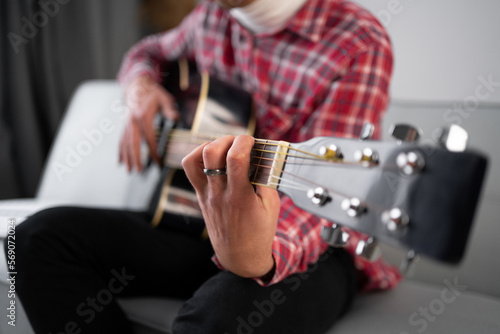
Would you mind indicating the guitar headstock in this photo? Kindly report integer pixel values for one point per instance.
(410, 196)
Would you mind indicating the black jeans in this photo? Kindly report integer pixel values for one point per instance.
(73, 263)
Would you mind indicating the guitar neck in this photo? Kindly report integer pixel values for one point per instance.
(425, 204)
(181, 143)
(266, 161)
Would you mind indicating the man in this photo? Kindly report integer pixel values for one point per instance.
(314, 67)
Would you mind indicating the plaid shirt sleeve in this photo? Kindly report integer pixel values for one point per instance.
(360, 95)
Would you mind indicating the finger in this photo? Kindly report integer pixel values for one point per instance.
(168, 105)
(193, 167)
(214, 157)
(120, 149)
(238, 163)
(214, 154)
(124, 149)
(148, 131)
(269, 198)
(135, 148)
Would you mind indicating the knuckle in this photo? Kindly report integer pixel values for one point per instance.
(236, 158)
(186, 161)
(210, 151)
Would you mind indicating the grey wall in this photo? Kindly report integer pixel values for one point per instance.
(441, 46)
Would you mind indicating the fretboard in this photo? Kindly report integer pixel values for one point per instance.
(266, 162)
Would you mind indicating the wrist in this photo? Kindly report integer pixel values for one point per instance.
(255, 269)
(138, 88)
(144, 82)
(270, 274)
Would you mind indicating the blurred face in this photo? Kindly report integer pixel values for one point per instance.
(234, 3)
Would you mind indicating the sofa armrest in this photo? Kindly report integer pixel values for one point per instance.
(83, 163)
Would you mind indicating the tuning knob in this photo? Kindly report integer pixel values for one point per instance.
(410, 162)
(367, 156)
(369, 249)
(353, 207)
(409, 263)
(395, 220)
(334, 236)
(453, 138)
(405, 133)
(331, 152)
(319, 196)
(367, 131)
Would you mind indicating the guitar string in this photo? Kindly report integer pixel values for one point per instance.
(201, 138)
(196, 141)
(291, 184)
(300, 186)
(304, 180)
(290, 162)
(311, 156)
(367, 205)
(282, 172)
(264, 143)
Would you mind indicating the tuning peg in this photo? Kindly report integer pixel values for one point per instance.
(408, 265)
(353, 207)
(395, 220)
(319, 196)
(332, 153)
(369, 249)
(454, 138)
(411, 162)
(334, 236)
(366, 157)
(405, 133)
(367, 131)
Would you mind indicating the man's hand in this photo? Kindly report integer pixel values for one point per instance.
(241, 222)
(145, 98)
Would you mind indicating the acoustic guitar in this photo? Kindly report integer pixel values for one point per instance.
(415, 197)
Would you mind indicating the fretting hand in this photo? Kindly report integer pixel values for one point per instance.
(241, 221)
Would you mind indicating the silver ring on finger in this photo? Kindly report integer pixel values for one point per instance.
(214, 172)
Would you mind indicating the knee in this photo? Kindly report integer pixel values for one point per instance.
(41, 223)
(41, 230)
(219, 306)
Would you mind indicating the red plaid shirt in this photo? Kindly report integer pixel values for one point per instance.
(325, 74)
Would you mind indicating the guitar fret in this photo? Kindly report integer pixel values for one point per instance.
(256, 161)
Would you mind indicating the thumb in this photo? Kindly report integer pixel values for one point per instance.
(269, 198)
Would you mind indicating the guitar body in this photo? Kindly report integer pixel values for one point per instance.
(207, 106)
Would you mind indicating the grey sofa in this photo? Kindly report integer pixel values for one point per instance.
(435, 299)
